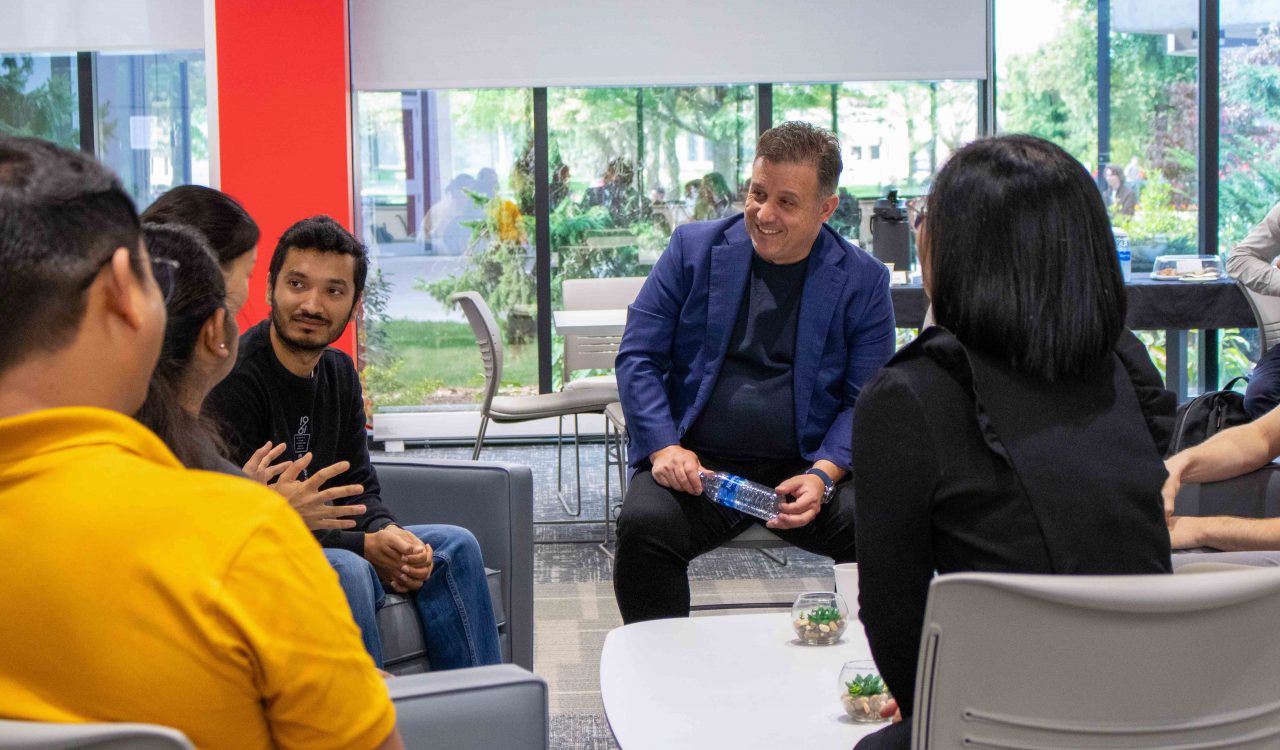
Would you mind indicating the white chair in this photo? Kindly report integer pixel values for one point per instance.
(1266, 310)
(595, 352)
(506, 409)
(453, 709)
(1054, 662)
(38, 735)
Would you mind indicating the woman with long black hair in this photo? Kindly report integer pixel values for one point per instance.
(1024, 432)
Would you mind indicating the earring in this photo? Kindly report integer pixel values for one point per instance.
(222, 346)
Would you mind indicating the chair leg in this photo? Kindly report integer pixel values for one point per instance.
(575, 512)
(484, 425)
(611, 457)
(780, 558)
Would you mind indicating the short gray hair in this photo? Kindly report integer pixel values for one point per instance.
(802, 143)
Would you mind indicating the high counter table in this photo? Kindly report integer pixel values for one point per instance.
(1172, 306)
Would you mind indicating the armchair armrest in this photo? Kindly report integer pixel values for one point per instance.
(1252, 495)
(481, 708)
(494, 501)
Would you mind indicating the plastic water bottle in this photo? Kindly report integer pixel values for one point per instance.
(1122, 250)
(744, 495)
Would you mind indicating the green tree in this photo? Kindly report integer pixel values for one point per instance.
(43, 111)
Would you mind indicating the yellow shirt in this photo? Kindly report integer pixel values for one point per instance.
(132, 589)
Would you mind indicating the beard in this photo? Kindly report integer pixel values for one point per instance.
(279, 322)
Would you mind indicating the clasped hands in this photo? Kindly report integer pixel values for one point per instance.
(677, 468)
(402, 561)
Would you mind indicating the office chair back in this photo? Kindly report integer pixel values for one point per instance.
(1266, 310)
(1037, 661)
(39, 735)
(595, 352)
(485, 328)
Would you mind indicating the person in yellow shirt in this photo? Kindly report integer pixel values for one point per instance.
(135, 590)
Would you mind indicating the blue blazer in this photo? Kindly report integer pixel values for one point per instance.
(678, 332)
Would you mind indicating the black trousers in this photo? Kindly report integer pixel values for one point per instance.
(660, 531)
(893, 737)
(1263, 392)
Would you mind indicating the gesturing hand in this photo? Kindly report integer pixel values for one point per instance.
(1184, 532)
(403, 562)
(314, 504)
(807, 490)
(1172, 484)
(677, 468)
(259, 468)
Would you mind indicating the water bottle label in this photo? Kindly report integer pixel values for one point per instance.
(728, 494)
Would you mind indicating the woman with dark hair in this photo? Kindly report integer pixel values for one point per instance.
(1120, 196)
(199, 350)
(1024, 432)
(231, 233)
(714, 199)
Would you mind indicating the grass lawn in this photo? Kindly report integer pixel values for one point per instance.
(439, 362)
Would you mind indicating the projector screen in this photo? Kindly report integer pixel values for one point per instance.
(430, 44)
(62, 26)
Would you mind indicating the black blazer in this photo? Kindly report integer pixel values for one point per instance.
(962, 464)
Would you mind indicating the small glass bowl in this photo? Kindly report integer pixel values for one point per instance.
(819, 618)
(862, 692)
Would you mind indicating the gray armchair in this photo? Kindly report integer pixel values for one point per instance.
(492, 500)
(463, 709)
(1252, 495)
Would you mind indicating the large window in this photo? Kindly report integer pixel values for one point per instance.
(1047, 73)
(39, 97)
(1249, 156)
(1142, 120)
(152, 120)
(628, 165)
(447, 183)
(895, 136)
(446, 205)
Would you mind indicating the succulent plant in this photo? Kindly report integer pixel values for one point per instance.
(823, 615)
(866, 684)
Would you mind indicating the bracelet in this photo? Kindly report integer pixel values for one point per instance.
(828, 484)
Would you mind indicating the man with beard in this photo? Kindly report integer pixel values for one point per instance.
(290, 388)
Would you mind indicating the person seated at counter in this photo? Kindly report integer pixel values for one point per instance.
(1024, 432)
(1253, 263)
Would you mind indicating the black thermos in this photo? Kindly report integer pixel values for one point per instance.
(890, 238)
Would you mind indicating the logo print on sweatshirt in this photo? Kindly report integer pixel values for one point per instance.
(302, 439)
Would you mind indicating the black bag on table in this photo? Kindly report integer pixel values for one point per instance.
(1206, 415)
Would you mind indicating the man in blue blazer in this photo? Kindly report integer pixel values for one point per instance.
(744, 352)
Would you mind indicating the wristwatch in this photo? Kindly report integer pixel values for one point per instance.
(827, 483)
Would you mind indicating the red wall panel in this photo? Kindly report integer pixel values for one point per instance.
(284, 120)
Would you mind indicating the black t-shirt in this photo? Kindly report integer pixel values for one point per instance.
(751, 412)
(324, 414)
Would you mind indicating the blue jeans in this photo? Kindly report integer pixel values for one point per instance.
(458, 624)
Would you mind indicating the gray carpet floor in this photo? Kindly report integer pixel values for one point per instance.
(574, 607)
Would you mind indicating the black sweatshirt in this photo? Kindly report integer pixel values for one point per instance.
(324, 414)
(751, 412)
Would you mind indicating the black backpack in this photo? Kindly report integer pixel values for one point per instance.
(1206, 415)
